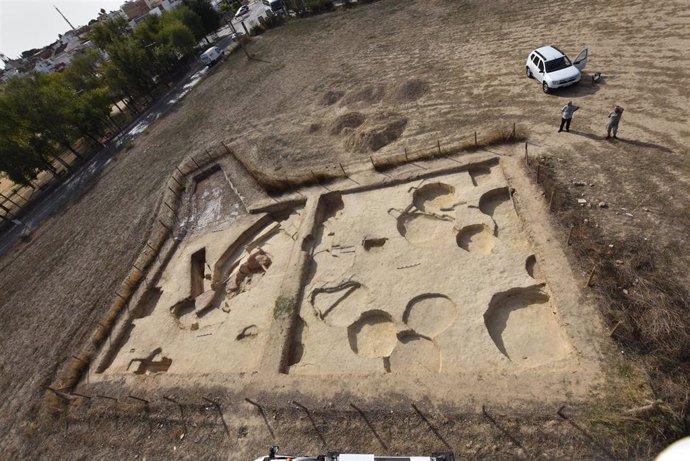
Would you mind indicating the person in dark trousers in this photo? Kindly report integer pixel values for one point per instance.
(567, 112)
(614, 119)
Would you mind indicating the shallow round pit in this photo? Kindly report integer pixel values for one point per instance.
(430, 314)
(476, 238)
(340, 307)
(524, 326)
(493, 199)
(419, 227)
(373, 335)
(434, 197)
(415, 353)
(533, 268)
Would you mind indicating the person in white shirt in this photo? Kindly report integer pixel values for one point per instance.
(567, 112)
(614, 119)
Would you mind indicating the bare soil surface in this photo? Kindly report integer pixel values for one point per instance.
(445, 68)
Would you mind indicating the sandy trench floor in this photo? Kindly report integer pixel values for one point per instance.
(426, 277)
(52, 294)
(413, 277)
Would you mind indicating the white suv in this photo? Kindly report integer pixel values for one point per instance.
(553, 69)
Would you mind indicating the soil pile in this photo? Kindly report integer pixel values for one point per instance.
(377, 135)
(349, 120)
(410, 91)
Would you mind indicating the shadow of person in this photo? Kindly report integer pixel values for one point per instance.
(648, 145)
(588, 135)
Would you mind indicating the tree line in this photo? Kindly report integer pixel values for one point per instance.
(44, 115)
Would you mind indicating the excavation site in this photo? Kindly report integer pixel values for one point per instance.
(387, 279)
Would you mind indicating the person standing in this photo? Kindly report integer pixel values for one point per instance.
(567, 112)
(614, 120)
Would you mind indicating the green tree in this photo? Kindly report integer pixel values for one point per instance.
(106, 33)
(210, 18)
(18, 158)
(146, 31)
(130, 70)
(48, 108)
(178, 37)
(83, 72)
(92, 112)
(189, 18)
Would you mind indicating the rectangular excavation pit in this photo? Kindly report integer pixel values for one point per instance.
(198, 270)
(435, 278)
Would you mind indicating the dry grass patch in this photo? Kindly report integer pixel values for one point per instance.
(493, 138)
(646, 307)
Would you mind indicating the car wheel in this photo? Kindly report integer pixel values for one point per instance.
(545, 87)
(529, 72)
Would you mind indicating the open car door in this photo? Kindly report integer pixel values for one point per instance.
(581, 59)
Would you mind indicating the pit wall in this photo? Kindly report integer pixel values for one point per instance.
(276, 359)
(164, 237)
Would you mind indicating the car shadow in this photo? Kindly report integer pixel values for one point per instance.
(584, 87)
(575, 91)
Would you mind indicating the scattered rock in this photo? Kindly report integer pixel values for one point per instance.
(630, 215)
(582, 202)
(619, 261)
(603, 205)
(580, 183)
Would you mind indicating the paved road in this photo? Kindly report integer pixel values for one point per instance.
(256, 9)
(53, 202)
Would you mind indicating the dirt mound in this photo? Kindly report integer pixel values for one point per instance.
(373, 137)
(369, 94)
(349, 120)
(410, 90)
(331, 97)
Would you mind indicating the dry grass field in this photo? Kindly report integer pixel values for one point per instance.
(372, 81)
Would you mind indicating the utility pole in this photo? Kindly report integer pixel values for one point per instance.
(239, 40)
(63, 17)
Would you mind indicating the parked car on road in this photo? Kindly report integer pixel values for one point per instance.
(236, 36)
(552, 68)
(275, 6)
(211, 56)
(244, 9)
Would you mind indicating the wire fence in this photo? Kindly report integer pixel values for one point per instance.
(526, 437)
